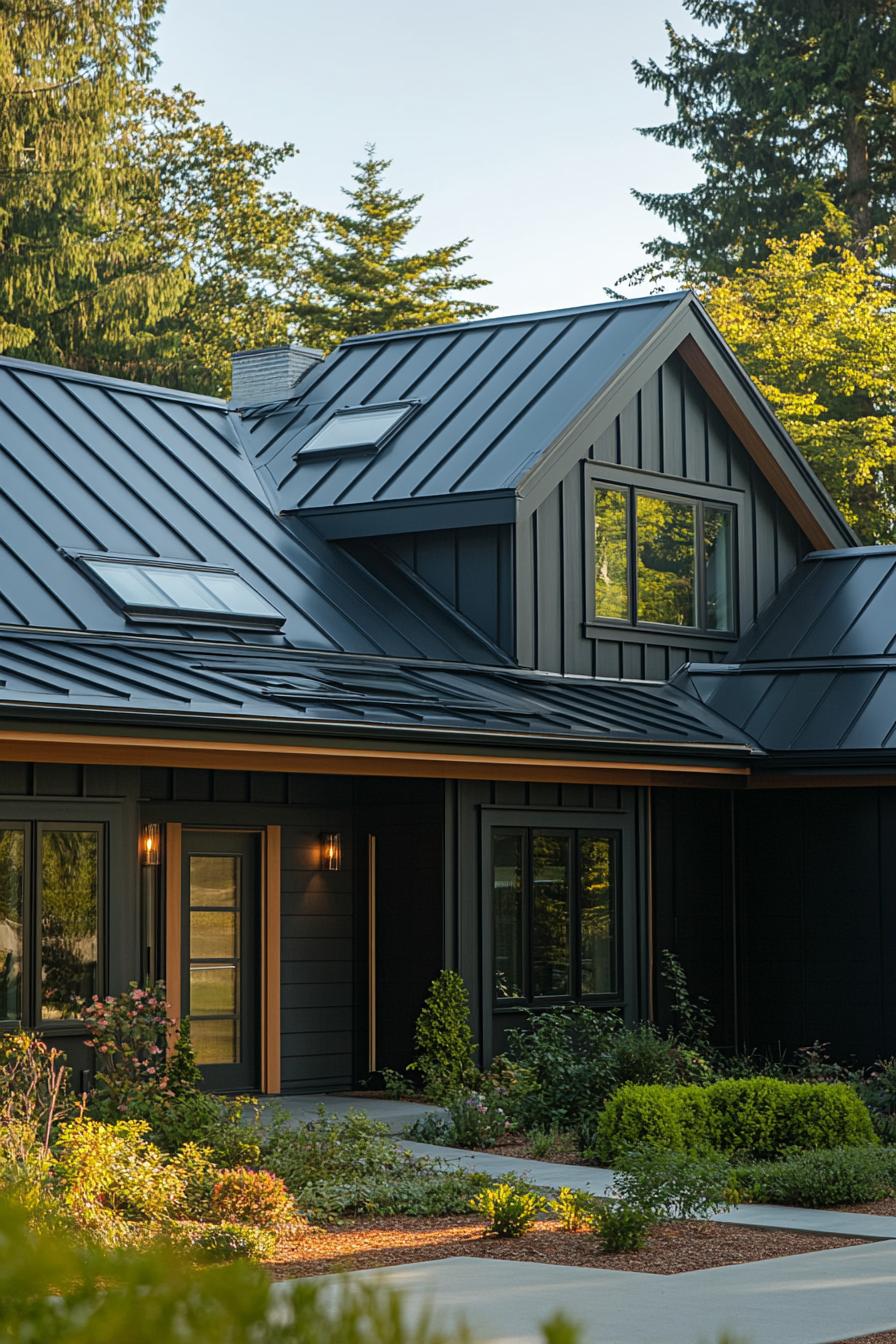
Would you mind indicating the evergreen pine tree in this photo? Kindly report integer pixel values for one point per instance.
(360, 277)
(72, 256)
(788, 109)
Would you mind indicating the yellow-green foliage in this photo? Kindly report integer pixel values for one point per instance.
(763, 1117)
(510, 1211)
(574, 1208)
(109, 1174)
(815, 327)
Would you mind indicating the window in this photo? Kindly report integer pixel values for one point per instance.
(663, 560)
(555, 914)
(51, 877)
(161, 590)
(357, 429)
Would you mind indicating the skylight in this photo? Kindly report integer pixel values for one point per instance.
(356, 428)
(161, 589)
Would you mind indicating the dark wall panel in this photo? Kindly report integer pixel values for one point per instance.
(471, 568)
(669, 427)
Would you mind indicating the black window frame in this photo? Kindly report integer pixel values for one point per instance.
(34, 826)
(307, 452)
(527, 831)
(632, 484)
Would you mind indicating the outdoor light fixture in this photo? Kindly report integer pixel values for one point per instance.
(150, 844)
(331, 851)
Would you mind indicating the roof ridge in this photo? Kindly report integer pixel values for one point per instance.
(60, 371)
(675, 296)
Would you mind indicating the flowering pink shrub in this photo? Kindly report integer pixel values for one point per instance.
(130, 1036)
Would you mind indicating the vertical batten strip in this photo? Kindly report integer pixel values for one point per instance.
(173, 917)
(270, 962)
(371, 953)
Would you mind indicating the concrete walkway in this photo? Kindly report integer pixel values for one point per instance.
(596, 1180)
(820, 1298)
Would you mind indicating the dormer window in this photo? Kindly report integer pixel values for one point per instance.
(169, 590)
(663, 559)
(357, 429)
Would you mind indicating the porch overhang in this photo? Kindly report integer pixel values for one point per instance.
(103, 745)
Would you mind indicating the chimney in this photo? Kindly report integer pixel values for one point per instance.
(270, 374)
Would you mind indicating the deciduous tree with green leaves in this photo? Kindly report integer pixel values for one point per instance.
(361, 278)
(816, 328)
(786, 108)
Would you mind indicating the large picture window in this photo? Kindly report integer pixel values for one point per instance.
(663, 560)
(555, 914)
(51, 878)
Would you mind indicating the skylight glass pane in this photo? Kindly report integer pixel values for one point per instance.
(355, 429)
(236, 595)
(130, 584)
(159, 587)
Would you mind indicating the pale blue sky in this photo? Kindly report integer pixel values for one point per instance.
(515, 118)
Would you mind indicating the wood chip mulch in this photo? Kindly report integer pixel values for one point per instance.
(879, 1206)
(564, 1150)
(888, 1337)
(672, 1249)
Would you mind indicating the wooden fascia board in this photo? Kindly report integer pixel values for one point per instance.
(741, 405)
(295, 758)
(820, 779)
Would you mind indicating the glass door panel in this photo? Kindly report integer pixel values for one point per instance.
(221, 899)
(12, 914)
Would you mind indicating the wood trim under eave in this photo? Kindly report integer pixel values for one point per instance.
(270, 961)
(714, 386)
(293, 758)
(774, 779)
(173, 916)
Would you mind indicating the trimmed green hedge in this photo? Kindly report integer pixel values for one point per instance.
(821, 1179)
(758, 1117)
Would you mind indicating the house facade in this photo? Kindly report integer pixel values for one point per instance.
(528, 646)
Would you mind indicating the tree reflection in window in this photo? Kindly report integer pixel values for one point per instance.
(507, 886)
(611, 600)
(550, 915)
(69, 880)
(666, 561)
(596, 915)
(717, 556)
(12, 911)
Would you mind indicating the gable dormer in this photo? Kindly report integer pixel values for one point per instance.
(599, 490)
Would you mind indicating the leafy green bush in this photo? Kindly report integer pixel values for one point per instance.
(259, 1198)
(110, 1173)
(224, 1241)
(574, 1208)
(475, 1121)
(445, 1046)
(672, 1185)
(216, 1123)
(34, 1094)
(510, 1209)
(417, 1189)
(693, 1020)
(761, 1117)
(822, 1178)
(620, 1227)
(54, 1288)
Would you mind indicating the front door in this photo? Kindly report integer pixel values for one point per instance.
(221, 955)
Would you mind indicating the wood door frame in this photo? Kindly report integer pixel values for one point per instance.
(270, 838)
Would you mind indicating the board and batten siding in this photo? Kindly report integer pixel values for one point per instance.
(669, 429)
(316, 908)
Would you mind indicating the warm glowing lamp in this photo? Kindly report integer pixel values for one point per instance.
(331, 851)
(150, 844)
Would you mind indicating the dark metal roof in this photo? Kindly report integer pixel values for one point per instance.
(817, 674)
(494, 395)
(139, 680)
(101, 465)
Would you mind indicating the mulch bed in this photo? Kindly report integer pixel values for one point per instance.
(879, 1206)
(888, 1337)
(672, 1249)
(564, 1150)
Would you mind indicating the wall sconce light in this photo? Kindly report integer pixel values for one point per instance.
(151, 844)
(331, 851)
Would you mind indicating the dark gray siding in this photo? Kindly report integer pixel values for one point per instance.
(669, 428)
(317, 908)
(780, 905)
(471, 568)
(469, 806)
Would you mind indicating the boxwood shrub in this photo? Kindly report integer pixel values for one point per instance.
(762, 1118)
